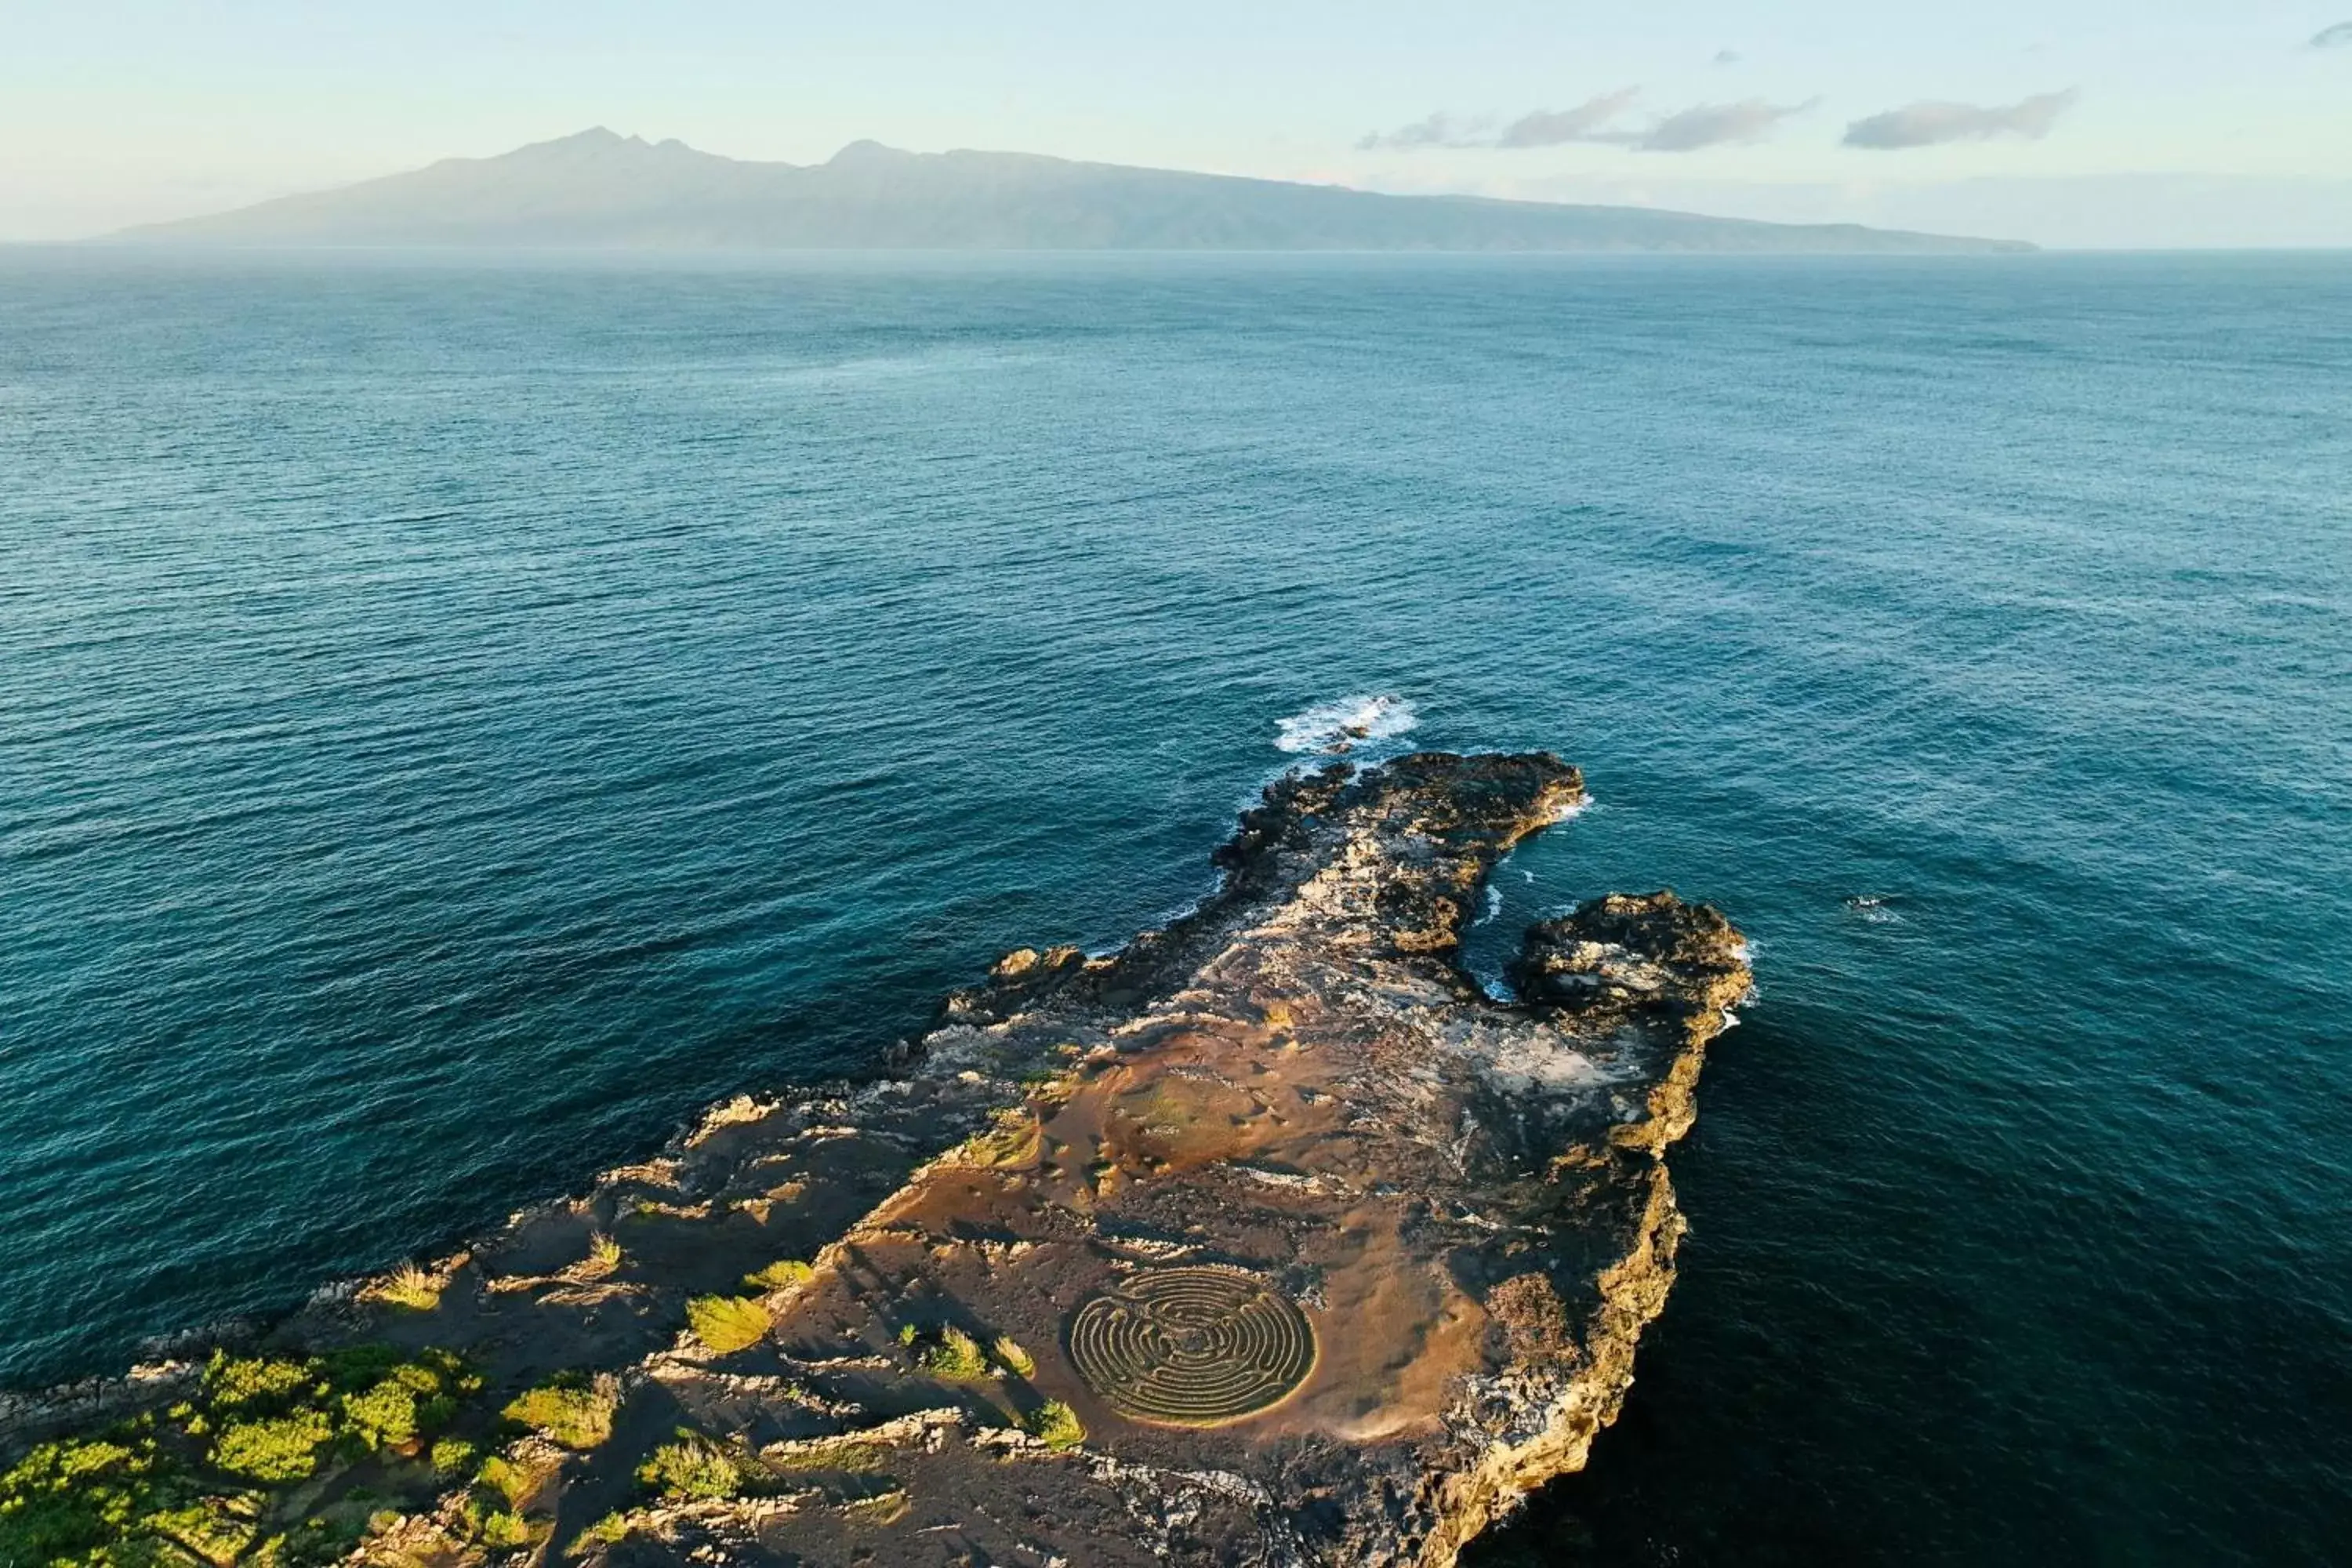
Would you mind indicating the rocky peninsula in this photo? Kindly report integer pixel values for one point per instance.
(1270, 1239)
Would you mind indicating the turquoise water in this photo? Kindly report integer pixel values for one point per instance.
(457, 718)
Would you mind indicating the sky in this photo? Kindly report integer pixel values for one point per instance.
(2070, 122)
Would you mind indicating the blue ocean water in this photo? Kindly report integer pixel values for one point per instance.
(457, 717)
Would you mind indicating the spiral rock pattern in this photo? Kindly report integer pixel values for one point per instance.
(1192, 1347)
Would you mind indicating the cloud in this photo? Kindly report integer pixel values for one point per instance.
(1439, 130)
(1708, 125)
(2338, 37)
(1715, 125)
(1585, 122)
(1929, 124)
(1726, 57)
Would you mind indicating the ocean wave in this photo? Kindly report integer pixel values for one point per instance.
(1337, 727)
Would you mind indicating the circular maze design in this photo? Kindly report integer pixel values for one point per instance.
(1192, 1347)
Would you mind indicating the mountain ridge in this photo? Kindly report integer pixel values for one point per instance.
(599, 190)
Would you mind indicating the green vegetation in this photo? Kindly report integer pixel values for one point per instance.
(604, 1256)
(956, 1357)
(1017, 1138)
(848, 1459)
(411, 1286)
(201, 1484)
(693, 1469)
(1013, 1358)
(500, 1530)
(569, 1409)
(609, 1531)
(235, 1383)
(728, 1323)
(508, 1480)
(778, 1275)
(452, 1458)
(1057, 1425)
(67, 1502)
(275, 1448)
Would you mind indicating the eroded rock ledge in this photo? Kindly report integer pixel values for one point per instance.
(1271, 1239)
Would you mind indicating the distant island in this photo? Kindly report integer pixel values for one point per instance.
(598, 190)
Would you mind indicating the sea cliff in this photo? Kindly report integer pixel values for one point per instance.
(1270, 1239)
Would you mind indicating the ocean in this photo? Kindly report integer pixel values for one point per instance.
(460, 715)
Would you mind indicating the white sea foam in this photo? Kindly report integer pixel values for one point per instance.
(1335, 728)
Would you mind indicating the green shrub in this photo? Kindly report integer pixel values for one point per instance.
(384, 1416)
(1013, 1358)
(693, 1469)
(499, 1528)
(604, 1256)
(359, 1366)
(508, 1480)
(66, 1502)
(452, 1458)
(608, 1531)
(956, 1357)
(233, 1383)
(728, 1323)
(569, 1410)
(274, 1448)
(216, 1529)
(778, 1275)
(1057, 1425)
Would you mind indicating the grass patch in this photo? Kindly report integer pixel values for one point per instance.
(781, 1274)
(569, 1410)
(604, 1257)
(692, 1469)
(1013, 1358)
(609, 1531)
(452, 1458)
(847, 1459)
(955, 1356)
(408, 1286)
(728, 1323)
(1017, 1138)
(1055, 1425)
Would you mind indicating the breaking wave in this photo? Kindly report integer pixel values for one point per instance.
(1337, 727)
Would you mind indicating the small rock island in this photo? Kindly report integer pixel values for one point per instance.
(1270, 1239)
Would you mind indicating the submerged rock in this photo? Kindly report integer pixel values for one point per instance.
(1270, 1239)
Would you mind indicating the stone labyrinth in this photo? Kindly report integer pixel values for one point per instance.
(1192, 1347)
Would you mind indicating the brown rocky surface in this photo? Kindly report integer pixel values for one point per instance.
(1270, 1239)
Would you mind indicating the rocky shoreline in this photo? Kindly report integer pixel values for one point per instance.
(1270, 1239)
